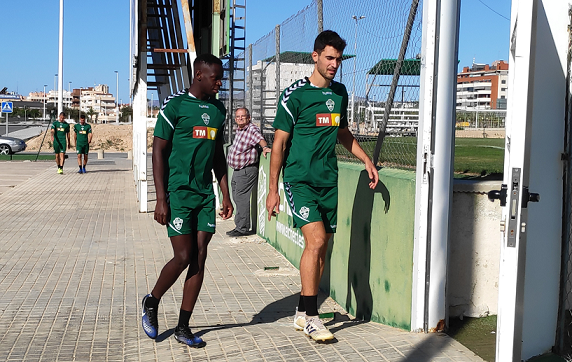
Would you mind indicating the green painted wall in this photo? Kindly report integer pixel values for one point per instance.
(370, 260)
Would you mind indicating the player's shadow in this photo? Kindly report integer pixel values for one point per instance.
(359, 258)
(282, 308)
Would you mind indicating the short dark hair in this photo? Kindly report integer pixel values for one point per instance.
(82, 116)
(207, 59)
(331, 38)
(62, 113)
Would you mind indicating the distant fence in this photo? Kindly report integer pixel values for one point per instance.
(374, 33)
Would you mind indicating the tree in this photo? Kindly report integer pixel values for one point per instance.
(90, 113)
(125, 113)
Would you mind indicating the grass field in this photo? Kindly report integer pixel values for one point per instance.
(26, 156)
(474, 157)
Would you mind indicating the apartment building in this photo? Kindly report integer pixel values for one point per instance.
(97, 99)
(483, 86)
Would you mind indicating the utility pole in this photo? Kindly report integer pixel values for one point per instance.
(117, 97)
(61, 61)
(44, 116)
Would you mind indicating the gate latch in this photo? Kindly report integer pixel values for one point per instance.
(528, 197)
(499, 195)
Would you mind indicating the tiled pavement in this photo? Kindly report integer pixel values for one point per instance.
(76, 258)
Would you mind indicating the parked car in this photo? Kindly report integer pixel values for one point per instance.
(9, 145)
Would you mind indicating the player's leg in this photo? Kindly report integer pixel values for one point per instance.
(182, 249)
(79, 161)
(85, 158)
(181, 235)
(203, 220)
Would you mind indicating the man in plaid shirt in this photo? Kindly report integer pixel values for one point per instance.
(243, 158)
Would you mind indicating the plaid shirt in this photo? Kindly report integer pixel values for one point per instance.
(243, 153)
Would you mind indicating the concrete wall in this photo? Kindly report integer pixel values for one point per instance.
(474, 254)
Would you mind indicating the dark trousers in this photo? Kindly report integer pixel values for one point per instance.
(243, 181)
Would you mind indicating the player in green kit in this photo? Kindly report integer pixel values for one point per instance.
(188, 144)
(60, 131)
(311, 115)
(82, 137)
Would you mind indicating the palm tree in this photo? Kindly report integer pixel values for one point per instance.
(90, 113)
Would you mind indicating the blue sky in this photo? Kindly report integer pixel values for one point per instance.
(96, 38)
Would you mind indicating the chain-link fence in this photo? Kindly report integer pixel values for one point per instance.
(480, 118)
(378, 100)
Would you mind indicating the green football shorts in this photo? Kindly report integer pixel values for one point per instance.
(82, 149)
(59, 147)
(190, 212)
(312, 204)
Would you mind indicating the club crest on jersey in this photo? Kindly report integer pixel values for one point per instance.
(208, 133)
(178, 223)
(206, 118)
(330, 104)
(304, 212)
(327, 120)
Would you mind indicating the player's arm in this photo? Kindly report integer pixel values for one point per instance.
(89, 136)
(222, 178)
(160, 154)
(351, 144)
(68, 137)
(52, 131)
(276, 159)
(74, 136)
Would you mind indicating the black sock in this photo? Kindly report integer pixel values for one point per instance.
(152, 302)
(301, 305)
(60, 167)
(311, 304)
(184, 318)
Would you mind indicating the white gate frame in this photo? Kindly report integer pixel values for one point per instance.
(434, 178)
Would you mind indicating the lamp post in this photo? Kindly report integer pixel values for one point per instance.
(117, 97)
(55, 88)
(69, 91)
(356, 18)
(44, 117)
(61, 61)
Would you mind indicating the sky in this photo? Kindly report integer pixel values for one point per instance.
(96, 38)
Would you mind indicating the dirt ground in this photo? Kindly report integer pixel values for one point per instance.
(481, 133)
(109, 137)
(119, 138)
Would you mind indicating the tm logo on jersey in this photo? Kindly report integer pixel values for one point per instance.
(207, 133)
(328, 119)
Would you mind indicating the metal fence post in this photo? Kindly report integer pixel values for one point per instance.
(277, 63)
(250, 104)
(320, 16)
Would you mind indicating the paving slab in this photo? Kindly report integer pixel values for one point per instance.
(76, 258)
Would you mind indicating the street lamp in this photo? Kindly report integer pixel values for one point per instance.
(69, 91)
(44, 117)
(55, 89)
(117, 97)
(356, 18)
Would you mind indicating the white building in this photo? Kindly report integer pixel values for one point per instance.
(97, 99)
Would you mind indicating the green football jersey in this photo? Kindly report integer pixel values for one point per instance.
(312, 117)
(82, 132)
(193, 126)
(60, 130)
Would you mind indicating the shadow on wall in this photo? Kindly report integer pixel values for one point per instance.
(359, 258)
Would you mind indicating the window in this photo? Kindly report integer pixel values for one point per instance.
(503, 81)
(503, 89)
